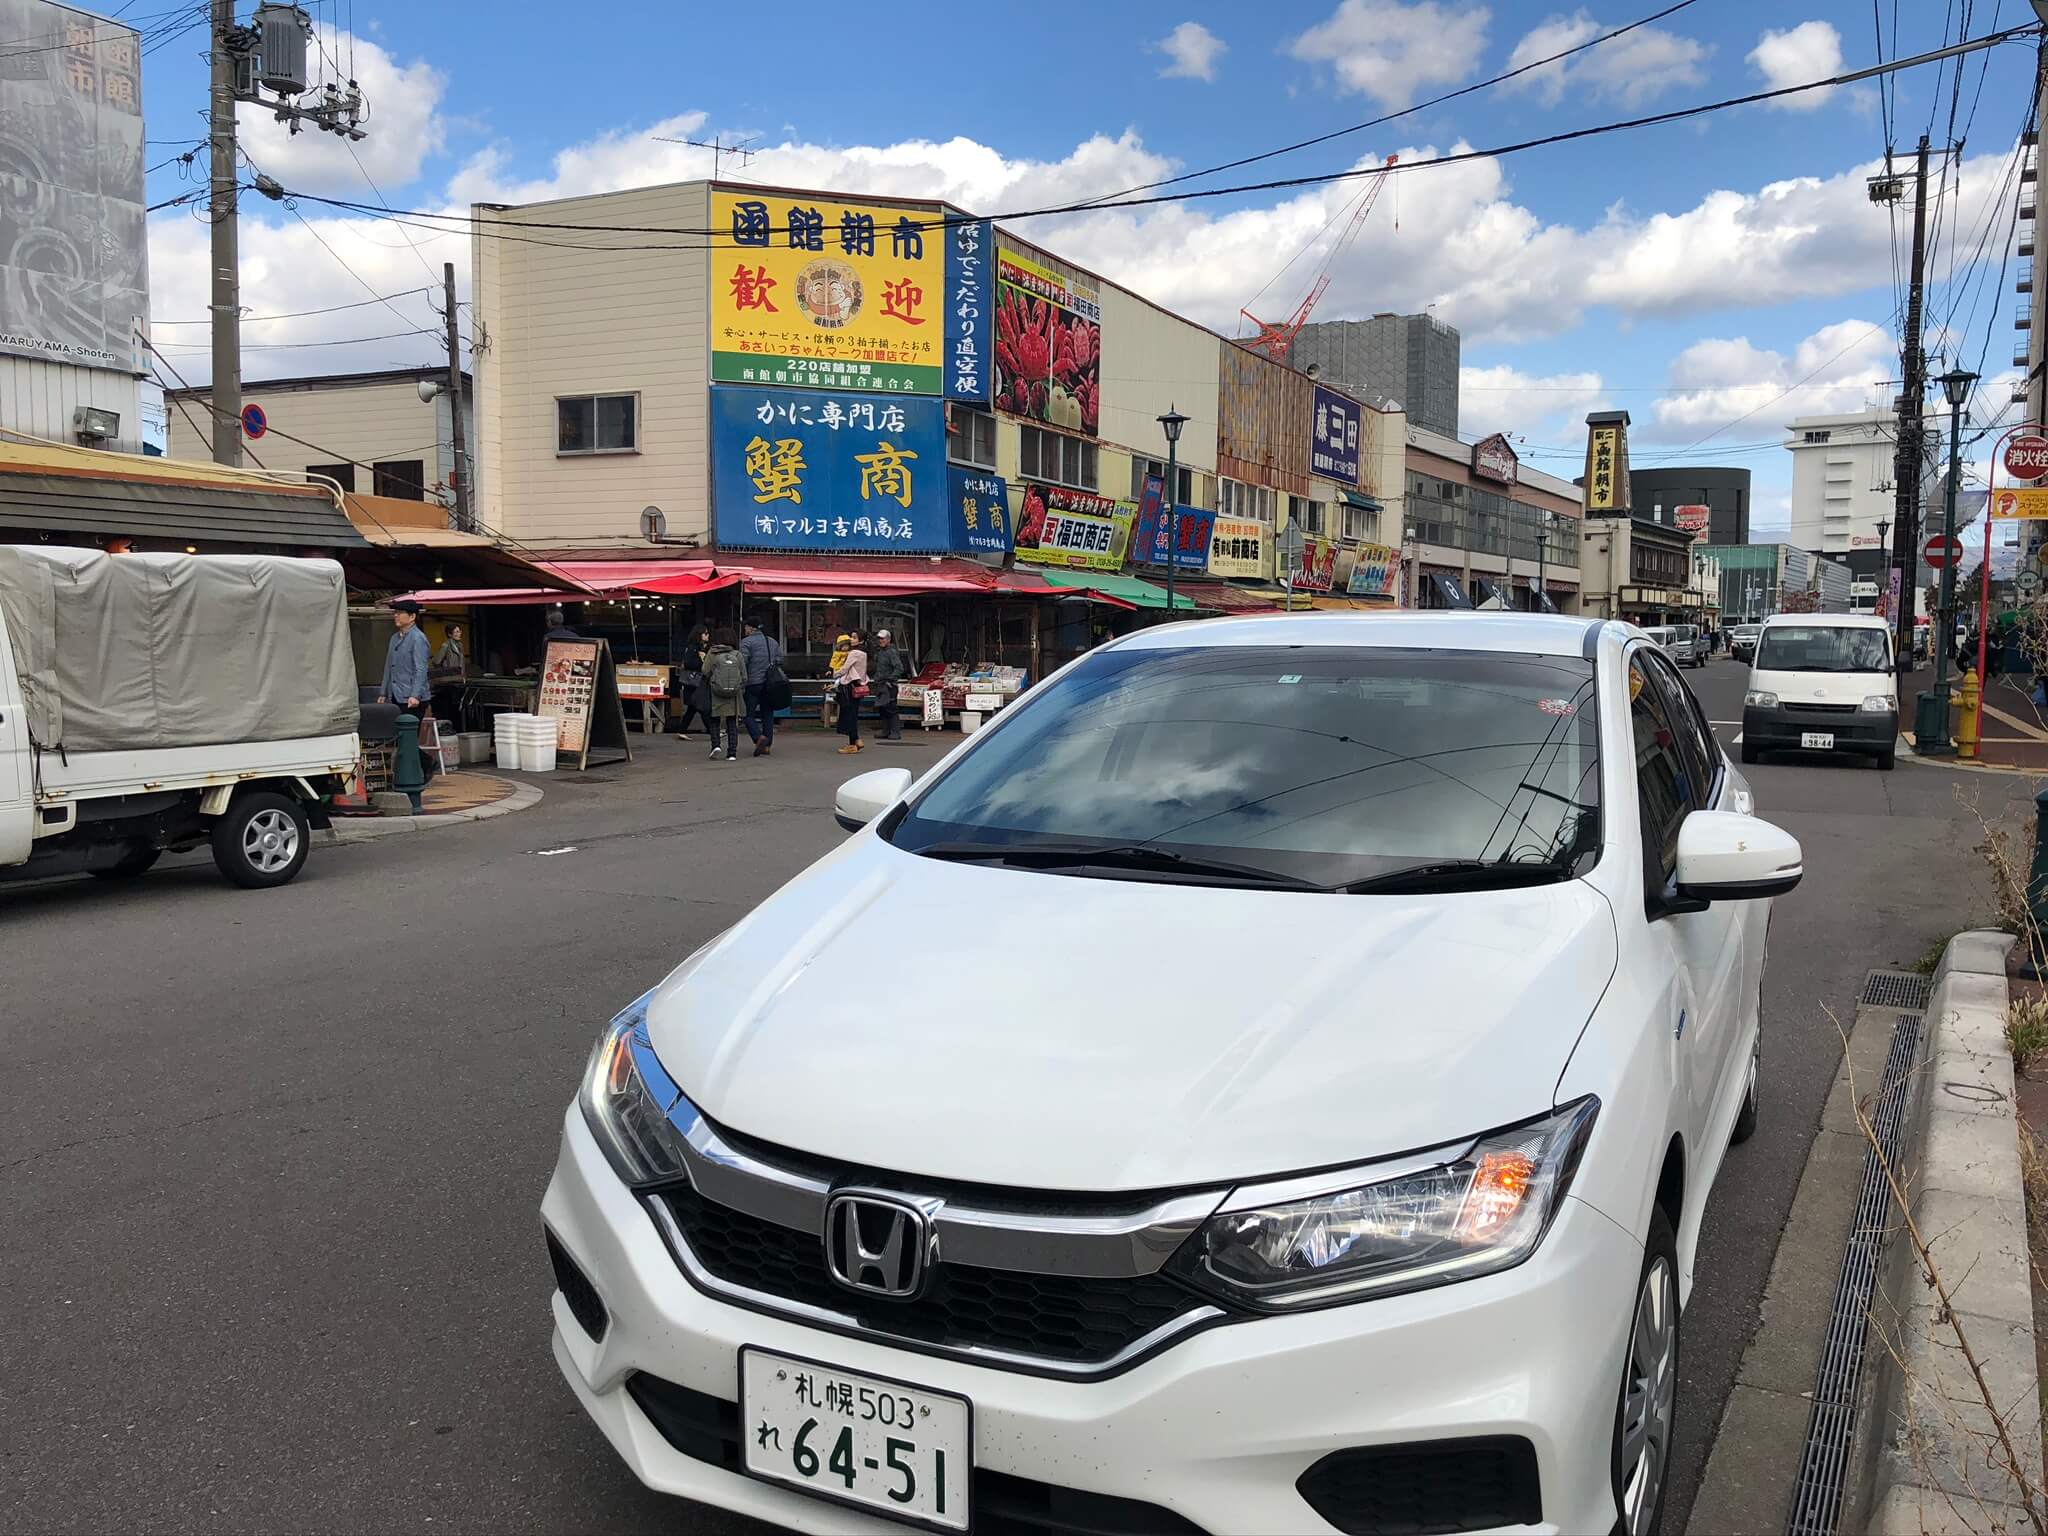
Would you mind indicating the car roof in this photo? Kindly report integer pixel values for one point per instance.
(1844, 620)
(1526, 634)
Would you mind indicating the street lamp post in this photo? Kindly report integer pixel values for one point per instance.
(1930, 722)
(1171, 423)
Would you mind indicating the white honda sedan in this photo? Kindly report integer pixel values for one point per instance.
(1268, 1081)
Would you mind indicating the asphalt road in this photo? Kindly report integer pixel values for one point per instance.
(272, 1161)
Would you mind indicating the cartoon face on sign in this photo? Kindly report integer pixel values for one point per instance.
(829, 293)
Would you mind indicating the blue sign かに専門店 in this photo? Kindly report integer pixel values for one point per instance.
(979, 503)
(968, 362)
(1333, 437)
(1156, 531)
(826, 470)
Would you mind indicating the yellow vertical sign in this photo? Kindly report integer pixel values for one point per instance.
(825, 295)
(1603, 450)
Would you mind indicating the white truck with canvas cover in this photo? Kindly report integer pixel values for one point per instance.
(153, 702)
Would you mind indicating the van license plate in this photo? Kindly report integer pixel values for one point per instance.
(1819, 741)
(861, 1440)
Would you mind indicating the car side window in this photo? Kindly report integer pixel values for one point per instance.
(1695, 738)
(1662, 793)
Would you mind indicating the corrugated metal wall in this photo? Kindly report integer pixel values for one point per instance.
(1262, 435)
(37, 397)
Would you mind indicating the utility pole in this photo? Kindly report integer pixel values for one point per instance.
(1906, 466)
(465, 505)
(226, 388)
(2037, 288)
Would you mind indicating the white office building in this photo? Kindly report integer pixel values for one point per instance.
(1844, 497)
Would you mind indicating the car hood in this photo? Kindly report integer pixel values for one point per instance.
(1040, 1031)
(1821, 687)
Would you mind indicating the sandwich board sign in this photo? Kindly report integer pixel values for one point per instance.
(579, 691)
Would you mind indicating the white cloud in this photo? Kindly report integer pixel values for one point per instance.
(1393, 52)
(1194, 50)
(1546, 408)
(404, 126)
(1631, 69)
(1840, 367)
(1810, 51)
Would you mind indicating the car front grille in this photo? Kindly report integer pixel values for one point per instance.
(1420, 1490)
(707, 1429)
(1820, 709)
(1067, 1319)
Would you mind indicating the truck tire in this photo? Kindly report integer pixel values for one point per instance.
(136, 860)
(262, 840)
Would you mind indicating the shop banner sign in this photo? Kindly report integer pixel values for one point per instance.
(1048, 345)
(1076, 529)
(1318, 569)
(970, 311)
(1157, 530)
(1377, 573)
(825, 295)
(821, 470)
(2015, 504)
(1333, 442)
(1241, 547)
(980, 507)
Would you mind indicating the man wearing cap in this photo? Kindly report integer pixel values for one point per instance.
(405, 662)
(887, 668)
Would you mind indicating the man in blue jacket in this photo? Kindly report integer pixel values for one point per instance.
(405, 661)
(762, 655)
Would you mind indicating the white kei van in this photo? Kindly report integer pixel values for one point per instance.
(1822, 682)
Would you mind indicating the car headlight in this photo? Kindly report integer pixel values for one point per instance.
(1756, 698)
(1481, 1210)
(1877, 704)
(626, 1097)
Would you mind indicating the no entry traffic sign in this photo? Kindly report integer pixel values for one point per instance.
(2026, 457)
(254, 421)
(1940, 550)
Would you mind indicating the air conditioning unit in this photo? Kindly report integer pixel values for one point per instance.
(90, 424)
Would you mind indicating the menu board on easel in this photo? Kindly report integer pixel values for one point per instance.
(579, 691)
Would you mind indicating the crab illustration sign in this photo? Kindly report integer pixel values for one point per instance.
(1048, 345)
(825, 295)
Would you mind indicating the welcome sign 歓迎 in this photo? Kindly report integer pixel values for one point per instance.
(824, 470)
(1333, 437)
(818, 294)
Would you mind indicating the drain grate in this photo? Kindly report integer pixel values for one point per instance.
(1823, 1464)
(1896, 989)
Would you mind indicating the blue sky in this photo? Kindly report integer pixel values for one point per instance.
(1690, 273)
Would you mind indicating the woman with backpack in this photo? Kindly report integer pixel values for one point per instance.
(725, 679)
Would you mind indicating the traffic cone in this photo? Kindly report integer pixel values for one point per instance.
(353, 799)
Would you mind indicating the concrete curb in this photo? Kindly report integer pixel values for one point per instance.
(1940, 1467)
(368, 828)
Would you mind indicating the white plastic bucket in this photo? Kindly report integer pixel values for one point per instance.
(537, 739)
(505, 740)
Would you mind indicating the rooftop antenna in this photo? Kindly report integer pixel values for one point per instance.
(719, 150)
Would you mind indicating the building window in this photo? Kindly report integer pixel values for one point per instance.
(1360, 523)
(1305, 514)
(1052, 456)
(343, 475)
(1817, 437)
(1236, 499)
(405, 479)
(597, 424)
(973, 438)
(1193, 487)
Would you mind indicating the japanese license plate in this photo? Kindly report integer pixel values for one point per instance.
(861, 1440)
(1818, 740)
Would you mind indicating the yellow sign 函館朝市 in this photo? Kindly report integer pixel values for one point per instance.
(1602, 451)
(825, 295)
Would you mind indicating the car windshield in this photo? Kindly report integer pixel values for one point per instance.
(1661, 636)
(1823, 648)
(1294, 766)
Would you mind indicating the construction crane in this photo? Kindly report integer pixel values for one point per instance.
(1276, 339)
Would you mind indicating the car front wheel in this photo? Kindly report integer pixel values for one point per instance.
(1644, 1416)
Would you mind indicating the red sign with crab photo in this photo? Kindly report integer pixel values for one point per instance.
(1048, 345)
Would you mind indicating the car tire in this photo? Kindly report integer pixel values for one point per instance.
(262, 840)
(1887, 760)
(1646, 1407)
(1749, 753)
(1752, 1108)
(136, 860)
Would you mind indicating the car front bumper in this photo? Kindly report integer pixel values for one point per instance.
(1217, 1428)
(1783, 727)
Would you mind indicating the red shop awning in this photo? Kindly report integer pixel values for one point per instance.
(686, 585)
(609, 577)
(856, 575)
(496, 597)
(1031, 584)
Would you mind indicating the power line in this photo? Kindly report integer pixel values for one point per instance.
(300, 314)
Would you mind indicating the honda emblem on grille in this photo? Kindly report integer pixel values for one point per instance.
(879, 1244)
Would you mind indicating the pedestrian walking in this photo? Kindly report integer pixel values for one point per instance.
(887, 668)
(852, 681)
(405, 659)
(828, 706)
(693, 700)
(762, 655)
(445, 675)
(725, 678)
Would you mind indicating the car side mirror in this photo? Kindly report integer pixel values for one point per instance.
(862, 798)
(1727, 856)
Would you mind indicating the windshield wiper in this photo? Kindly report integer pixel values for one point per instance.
(1460, 875)
(1139, 858)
